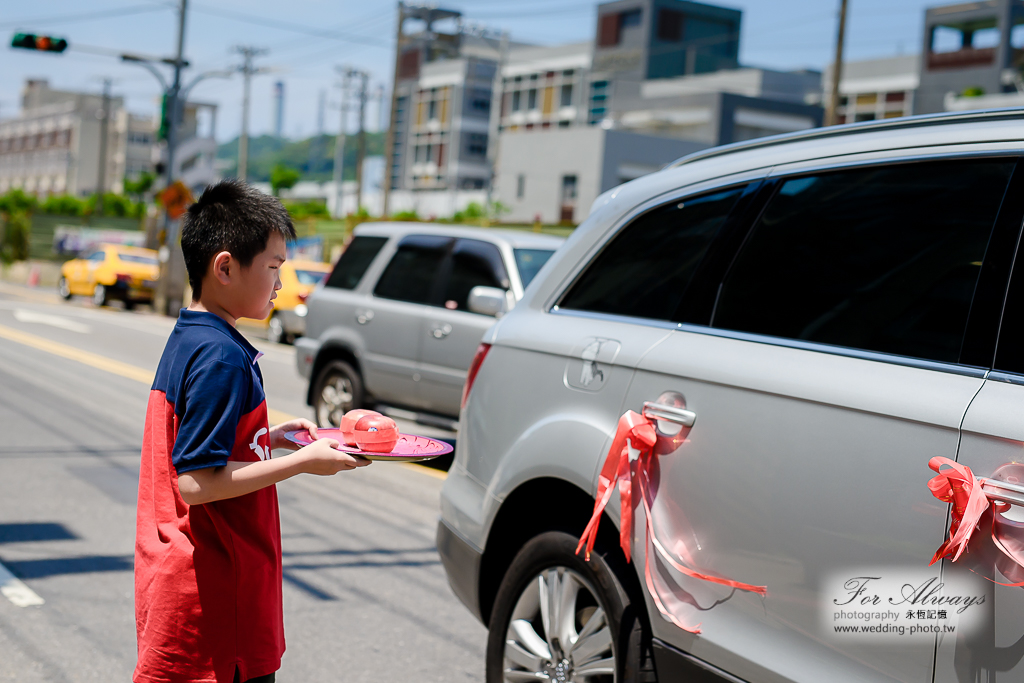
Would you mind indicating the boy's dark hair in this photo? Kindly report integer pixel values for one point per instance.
(234, 217)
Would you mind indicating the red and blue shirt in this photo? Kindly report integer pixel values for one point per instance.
(207, 577)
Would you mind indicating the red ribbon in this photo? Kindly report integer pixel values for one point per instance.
(630, 460)
(972, 509)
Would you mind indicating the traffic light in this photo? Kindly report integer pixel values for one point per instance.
(165, 121)
(30, 41)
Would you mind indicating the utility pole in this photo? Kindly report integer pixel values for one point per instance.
(169, 296)
(339, 147)
(248, 71)
(364, 82)
(101, 173)
(494, 124)
(832, 110)
(389, 140)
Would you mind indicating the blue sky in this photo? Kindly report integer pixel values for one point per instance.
(307, 38)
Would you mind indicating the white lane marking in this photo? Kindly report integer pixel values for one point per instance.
(27, 316)
(16, 591)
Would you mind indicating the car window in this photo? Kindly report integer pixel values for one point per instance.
(645, 269)
(882, 259)
(309, 277)
(475, 263)
(529, 261)
(413, 270)
(135, 258)
(354, 262)
(97, 256)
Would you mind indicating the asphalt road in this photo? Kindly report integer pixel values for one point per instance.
(365, 596)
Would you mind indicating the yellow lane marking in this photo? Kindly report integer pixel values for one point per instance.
(136, 373)
(115, 367)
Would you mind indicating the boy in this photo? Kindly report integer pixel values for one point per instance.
(208, 538)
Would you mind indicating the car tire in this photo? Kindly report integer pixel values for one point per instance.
(615, 649)
(275, 330)
(338, 389)
(64, 289)
(100, 295)
(129, 304)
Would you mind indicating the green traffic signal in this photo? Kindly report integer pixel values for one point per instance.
(31, 41)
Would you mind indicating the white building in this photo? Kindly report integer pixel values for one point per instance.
(876, 88)
(579, 164)
(53, 145)
(545, 87)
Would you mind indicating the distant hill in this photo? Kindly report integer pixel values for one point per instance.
(266, 151)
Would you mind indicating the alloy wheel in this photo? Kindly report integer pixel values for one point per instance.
(336, 399)
(559, 633)
(63, 288)
(275, 330)
(99, 295)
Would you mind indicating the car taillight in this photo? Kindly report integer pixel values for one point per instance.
(474, 368)
(124, 277)
(303, 297)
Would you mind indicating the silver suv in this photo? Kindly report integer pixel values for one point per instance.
(399, 317)
(807, 320)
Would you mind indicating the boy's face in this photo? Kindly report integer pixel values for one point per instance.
(257, 285)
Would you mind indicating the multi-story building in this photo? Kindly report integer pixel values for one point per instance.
(544, 87)
(973, 48)
(876, 88)
(53, 145)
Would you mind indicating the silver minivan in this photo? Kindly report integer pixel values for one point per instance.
(807, 320)
(398, 319)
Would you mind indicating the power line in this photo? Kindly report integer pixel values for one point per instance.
(86, 16)
(289, 26)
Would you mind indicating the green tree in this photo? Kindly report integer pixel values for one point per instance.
(282, 178)
(63, 205)
(137, 188)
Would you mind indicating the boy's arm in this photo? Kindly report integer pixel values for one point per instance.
(235, 479)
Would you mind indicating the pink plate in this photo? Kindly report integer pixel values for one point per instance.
(410, 448)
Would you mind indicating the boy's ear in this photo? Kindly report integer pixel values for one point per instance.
(222, 267)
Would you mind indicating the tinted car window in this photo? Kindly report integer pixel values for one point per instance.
(309, 277)
(413, 270)
(882, 259)
(645, 269)
(135, 258)
(354, 261)
(474, 263)
(529, 262)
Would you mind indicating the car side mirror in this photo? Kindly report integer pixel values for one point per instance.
(490, 301)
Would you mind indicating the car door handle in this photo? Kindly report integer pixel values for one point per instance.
(1002, 491)
(440, 331)
(364, 316)
(660, 411)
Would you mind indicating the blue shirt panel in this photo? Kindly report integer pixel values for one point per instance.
(208, 372)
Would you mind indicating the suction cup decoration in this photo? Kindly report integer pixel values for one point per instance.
(631, 464)
(975, 509)
(348, 423)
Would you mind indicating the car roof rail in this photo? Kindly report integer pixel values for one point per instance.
(919, 121)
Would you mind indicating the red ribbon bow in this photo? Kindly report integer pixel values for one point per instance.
(972, 509)
(630, 460)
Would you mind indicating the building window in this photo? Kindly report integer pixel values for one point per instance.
(670, 25)
(476, 144)
(895, 96)
(568, 204)
(520, 186)
(568, 73)
(629, 19)
(566, 99)
(564, 124)
(517, 100)
(532, 99)
(608, 30)
(432, 110)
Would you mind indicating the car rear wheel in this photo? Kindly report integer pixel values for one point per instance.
(559, 618)
(99, 295)
(339, 389)
(275, 330)
(63, 288)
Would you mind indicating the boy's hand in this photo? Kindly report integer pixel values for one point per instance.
(322, 457)
(277, 432)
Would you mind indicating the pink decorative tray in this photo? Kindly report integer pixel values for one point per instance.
(410, 448)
